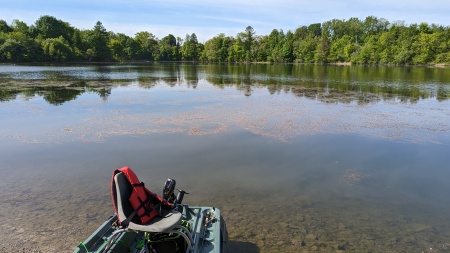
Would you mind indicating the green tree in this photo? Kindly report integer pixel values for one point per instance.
(373, 26)
(50, 27)
(212, 48)
(425, 47)
(13, 50)
(4, 27)
(19, 36)
(275, 41)
(443, 49)
(133, 49)
(261, 48)
(117, 49)
(19, 26)
(301, 33)
(322, 50)
(98, 39)
(399, 49)
(315, 30)
(78, 47)
(387, 44)
(367, 52)
(305, 49)
(216, 49)
(148, 46)
(288, 47)
(57, 49)
(335, 28)
(236, 52)
(248, 41)
(169, 49)
(201, 52)
(189, 50)
(341, 49)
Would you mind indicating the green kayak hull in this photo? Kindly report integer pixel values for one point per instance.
(208, 237)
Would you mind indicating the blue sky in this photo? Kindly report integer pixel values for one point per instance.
(207, 18)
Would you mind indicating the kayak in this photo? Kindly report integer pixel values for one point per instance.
(207, 236)
(169, 227)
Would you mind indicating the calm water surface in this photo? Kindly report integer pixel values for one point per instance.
(299, 158)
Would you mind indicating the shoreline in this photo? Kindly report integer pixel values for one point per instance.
(433, 65)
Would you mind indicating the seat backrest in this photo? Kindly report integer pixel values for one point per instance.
(132, 200)
(123, 190)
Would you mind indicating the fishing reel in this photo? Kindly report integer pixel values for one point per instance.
(168, 190)
(169, 198)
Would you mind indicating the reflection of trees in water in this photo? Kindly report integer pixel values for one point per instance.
(246, 88)
(8, 94)
(172, 74)
(363, 84)
(103, 92)
(442, 93)
(171, 81)
(329, 84)
(335, 94)
(57, 95)
(190, 74)
(147, 82)
(52, 93)
(330, 96)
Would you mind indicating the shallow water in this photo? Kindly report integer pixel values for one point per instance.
(299, 158)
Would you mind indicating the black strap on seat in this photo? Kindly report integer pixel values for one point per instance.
(140, 184)
(144, 204)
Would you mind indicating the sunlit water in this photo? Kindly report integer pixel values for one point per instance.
(299, 158)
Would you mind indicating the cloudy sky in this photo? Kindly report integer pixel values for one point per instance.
(207, 18)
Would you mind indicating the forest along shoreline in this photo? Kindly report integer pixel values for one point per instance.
(370, 41)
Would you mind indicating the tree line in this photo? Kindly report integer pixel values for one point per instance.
(369, 41)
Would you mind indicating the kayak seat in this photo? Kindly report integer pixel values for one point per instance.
(168, 222)
(157, 225)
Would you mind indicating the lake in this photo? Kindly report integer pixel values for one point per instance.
(299, 158)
